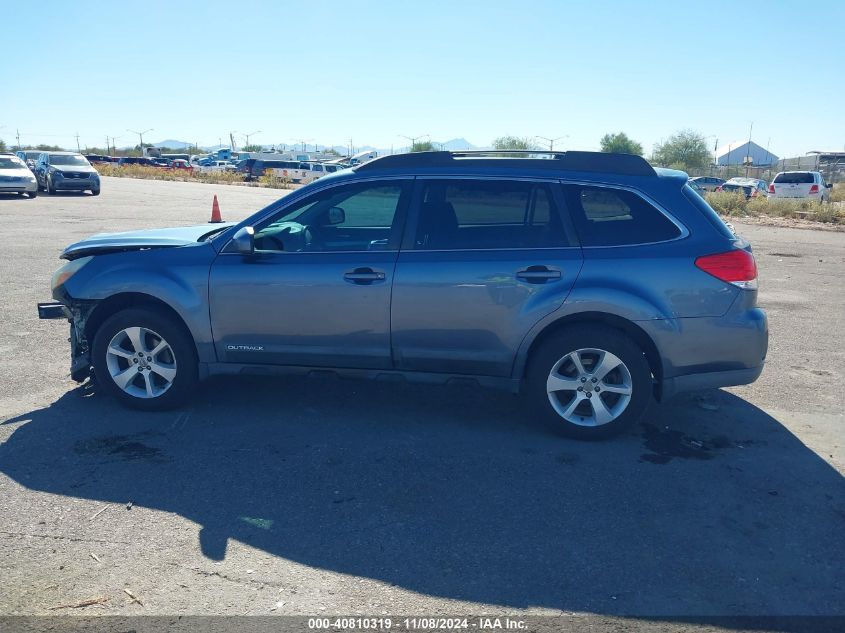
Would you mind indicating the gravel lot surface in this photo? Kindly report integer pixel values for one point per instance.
(328, 496)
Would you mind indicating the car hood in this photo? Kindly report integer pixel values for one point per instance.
(21, 172)
(79, 169)
(141, 240)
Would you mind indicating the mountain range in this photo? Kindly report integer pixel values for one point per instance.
(452, 145)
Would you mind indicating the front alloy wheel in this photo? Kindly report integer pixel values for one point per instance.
(145, 357)
(141, 362)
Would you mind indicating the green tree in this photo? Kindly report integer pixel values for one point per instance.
(513, 143)
(252, 148)
(686, 150)
(620, 143)
(2, 145)
(422, 146)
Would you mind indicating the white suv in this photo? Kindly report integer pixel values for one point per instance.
(800, 184)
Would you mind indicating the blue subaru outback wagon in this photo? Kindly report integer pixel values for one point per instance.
(589, 282)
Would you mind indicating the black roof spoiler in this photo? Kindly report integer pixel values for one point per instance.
(623, 164)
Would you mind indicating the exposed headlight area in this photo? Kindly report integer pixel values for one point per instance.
(67, 271)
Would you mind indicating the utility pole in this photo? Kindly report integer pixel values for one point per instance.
(551, 141)
(77, 142)
(749, 149)
(413, 140)
(140, 137)
(251, 134)
(18, 137)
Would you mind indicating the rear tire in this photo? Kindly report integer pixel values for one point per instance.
(160, 375)
(33, 194)
(605, 395)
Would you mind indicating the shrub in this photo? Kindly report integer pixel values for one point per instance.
(837, 194)
(735, 204)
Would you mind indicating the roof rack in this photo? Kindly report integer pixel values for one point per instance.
(622, 164)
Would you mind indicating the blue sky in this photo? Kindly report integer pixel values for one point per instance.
(329, 71)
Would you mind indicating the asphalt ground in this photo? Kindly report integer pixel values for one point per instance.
(327, 496)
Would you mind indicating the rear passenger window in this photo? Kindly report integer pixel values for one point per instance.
(487, 214)
(615, 217)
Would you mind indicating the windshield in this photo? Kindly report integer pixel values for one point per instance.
(11, 162)
(68, 159)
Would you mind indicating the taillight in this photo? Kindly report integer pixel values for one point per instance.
(771, 187)
(814, 189)
(735, 267)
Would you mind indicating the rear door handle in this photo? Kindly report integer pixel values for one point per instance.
(364, 276)
(538, 274)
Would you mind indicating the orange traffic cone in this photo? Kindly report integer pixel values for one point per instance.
(215, 212)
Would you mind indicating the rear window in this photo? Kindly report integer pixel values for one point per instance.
(615, 217)
(795, 178)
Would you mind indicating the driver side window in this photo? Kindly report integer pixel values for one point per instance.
(360, 217)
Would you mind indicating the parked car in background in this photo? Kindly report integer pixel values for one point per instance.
(590, 282)
(751, 187)
(136, 160)
(800, 184)
(694, 186)
(708, 183)
(16, 177)
(217, 165)
(66, 171)
(182, 164)
(28, 156)
(99, 159)
(161, 162)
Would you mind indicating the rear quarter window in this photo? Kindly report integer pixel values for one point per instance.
(707, 211)
(604, 216)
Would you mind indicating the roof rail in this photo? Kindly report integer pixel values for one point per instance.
(622, 164)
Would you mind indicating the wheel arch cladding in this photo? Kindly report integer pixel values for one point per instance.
(122, 301)
(628, 328)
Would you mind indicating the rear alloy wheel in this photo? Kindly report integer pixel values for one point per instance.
(589, 382)
(145, 359)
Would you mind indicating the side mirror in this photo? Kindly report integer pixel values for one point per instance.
(336, 215)
(243, 241)
(829, 185)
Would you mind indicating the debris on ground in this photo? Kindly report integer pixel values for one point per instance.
(83, 603)
(99, 512)
(95, 557)
(133, 596)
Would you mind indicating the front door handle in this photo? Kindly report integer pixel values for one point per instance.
(364, 276)
(538, 274)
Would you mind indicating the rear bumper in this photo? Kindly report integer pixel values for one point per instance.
(709, 380)
(707, 353)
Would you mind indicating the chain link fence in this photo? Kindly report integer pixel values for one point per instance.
(832, 167)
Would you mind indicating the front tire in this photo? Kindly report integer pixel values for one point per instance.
(32, 194)
(49, 186)
(95, 192)
(145, 359)
(588, 382)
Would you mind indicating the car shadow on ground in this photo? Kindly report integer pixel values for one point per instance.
(709, 507)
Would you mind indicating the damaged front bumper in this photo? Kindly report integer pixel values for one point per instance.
(77, 315)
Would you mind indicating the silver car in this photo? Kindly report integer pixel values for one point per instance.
(15, 176)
